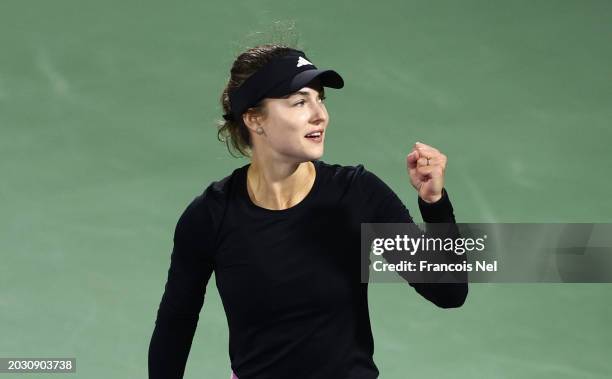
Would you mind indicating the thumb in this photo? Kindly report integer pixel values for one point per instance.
(412, 158)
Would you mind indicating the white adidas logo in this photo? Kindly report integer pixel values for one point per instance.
(303, 61)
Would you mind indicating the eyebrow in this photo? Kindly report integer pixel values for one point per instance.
(304, 93)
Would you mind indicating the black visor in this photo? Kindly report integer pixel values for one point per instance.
(279, 77)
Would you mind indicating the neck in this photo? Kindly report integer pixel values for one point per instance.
(279, 185)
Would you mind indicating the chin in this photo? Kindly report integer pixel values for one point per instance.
(310, 156)
(308, 153)
(316, 155)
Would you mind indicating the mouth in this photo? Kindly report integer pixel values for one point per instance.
(315, 135)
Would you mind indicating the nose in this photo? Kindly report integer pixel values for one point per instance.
(319, 113)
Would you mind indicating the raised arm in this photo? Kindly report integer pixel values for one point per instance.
(444, 295)
(426, 167)
(382, 205)
(178, 313)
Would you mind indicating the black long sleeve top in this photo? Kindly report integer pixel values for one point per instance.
(289, 280)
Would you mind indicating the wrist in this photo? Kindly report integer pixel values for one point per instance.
(432, 199)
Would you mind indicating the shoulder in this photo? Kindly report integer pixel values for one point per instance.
(341, 173)
(204, 212)
(356, 175)
(218, 193)
(357, 182)
(211, 199)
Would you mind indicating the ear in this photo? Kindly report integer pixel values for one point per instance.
(253, 118)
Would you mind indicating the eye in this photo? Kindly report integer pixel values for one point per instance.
(322, 98)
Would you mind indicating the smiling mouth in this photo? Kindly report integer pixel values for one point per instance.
(315, 136)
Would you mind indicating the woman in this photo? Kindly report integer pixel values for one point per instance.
(282, 234)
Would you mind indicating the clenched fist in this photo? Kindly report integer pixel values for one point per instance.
(426, 166)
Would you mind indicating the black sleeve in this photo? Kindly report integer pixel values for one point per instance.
(445, 295)
(178, 313)
(384, 206)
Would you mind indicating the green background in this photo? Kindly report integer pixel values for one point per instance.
(107, 120)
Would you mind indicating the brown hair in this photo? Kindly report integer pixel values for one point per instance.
(235, 133)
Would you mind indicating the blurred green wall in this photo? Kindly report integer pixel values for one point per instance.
(107, 116)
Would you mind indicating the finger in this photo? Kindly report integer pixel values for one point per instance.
(427, 152)
(424, 162)
(428, 171)
(426, 147)
(411, 159)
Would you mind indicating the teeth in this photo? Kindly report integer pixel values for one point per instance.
(315, 134)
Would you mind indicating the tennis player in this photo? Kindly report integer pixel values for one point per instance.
(282, 234)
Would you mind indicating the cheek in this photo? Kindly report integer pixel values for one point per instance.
(292, 125)
(286, 133)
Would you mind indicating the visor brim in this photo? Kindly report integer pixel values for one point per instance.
(328, 78)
